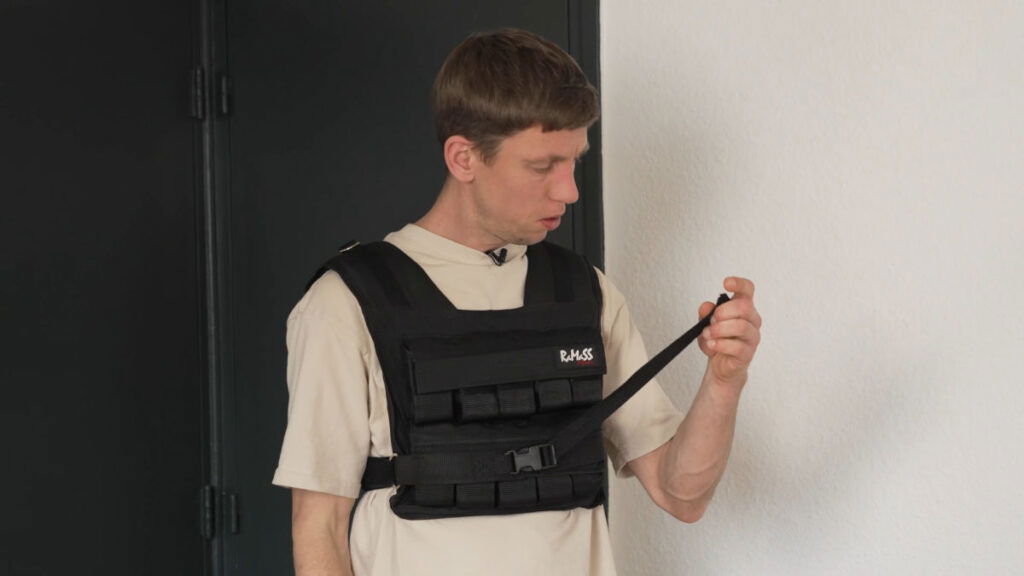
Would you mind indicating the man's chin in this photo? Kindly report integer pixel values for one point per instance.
(535, 238)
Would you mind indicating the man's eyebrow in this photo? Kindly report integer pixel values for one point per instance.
(554, 158)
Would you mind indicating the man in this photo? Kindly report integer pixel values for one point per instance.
(512, 112)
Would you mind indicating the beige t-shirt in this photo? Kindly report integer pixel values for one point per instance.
(337, 416)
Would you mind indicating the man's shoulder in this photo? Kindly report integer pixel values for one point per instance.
(327, 293)
(327, 297)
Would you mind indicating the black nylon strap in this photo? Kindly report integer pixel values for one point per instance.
(463, 467)
(540, 284)
(561, 269)
(367, 257)
(576, 430)
(379, 473)
(329, 264)
(406, 275)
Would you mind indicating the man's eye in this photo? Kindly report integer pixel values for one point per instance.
(543, 169)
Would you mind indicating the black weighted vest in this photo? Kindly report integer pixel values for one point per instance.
(474, 395)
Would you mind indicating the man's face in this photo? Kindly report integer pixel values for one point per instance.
(523, 192)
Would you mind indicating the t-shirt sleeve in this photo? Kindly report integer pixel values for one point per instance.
(327, 439)
(648, 419)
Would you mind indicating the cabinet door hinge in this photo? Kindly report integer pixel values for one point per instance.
(231, 513)
(224, 95)
(199, 94)
(207, 511)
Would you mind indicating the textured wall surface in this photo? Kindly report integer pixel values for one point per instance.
(863, 162)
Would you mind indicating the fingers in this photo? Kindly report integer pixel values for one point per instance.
(739, 349)
(732, 338)
(736, 337)
(739, 329)
(740, 287)
(736, 324)
(742, 308)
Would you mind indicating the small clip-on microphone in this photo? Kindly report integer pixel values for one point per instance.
(498, 256)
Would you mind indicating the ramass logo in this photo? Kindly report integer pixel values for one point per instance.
(577, 356)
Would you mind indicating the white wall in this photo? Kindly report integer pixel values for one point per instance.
(863, 162)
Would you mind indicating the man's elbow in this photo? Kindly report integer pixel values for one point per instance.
(687, 509)
(689, 514)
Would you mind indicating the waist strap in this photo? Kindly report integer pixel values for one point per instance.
(473, 467)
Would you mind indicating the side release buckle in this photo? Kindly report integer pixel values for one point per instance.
(533, 458)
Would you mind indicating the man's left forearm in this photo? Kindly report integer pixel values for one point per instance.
(695, 458)
(681, 474)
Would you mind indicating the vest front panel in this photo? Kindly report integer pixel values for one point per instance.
(469, 391)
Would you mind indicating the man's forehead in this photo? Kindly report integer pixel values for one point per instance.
(533, 144)
(547, 156)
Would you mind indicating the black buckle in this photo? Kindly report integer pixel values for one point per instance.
(533, 458)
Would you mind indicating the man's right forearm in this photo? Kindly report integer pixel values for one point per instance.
(320, 534)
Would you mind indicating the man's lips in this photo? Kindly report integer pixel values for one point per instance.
(551, 223)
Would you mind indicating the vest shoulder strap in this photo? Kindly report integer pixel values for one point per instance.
(381, 276)
(557, 274)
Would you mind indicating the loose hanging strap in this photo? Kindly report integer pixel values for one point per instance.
(406, 469)
(574, 431)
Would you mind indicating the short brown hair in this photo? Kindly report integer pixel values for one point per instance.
(495, 84)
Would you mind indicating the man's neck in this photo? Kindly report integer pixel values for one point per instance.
(453, 217)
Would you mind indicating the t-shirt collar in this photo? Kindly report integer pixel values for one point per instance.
(419, 239)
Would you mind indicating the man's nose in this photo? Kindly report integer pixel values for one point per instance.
(565, 189)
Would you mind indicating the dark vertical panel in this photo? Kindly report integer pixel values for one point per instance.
(101, 402)
(213, 183)
(330, 139)
(588, 221)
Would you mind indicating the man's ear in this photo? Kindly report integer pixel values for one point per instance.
(461, 158)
